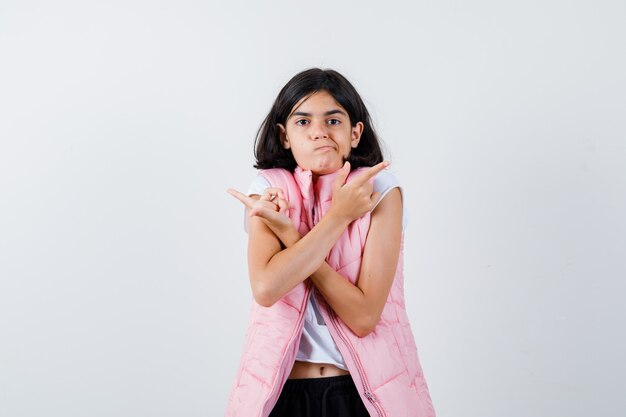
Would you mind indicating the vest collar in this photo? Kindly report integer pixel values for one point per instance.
(323, 188)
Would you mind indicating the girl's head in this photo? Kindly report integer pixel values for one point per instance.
(318, 121)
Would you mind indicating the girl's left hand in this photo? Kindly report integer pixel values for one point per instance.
(272, 207)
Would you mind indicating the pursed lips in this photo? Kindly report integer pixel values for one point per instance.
(324, 147)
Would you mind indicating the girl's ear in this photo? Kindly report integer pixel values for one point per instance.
(283, 136)
(357, 131)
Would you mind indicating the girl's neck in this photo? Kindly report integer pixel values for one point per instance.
(315, 177)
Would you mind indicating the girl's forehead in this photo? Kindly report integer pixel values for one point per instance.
(319, 101)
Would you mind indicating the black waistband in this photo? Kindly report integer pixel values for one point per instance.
(317, 386)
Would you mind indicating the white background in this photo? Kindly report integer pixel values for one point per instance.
(123, 277)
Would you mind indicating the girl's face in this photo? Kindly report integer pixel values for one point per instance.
(319, 134)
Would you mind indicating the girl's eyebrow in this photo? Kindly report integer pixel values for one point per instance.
(328, 113)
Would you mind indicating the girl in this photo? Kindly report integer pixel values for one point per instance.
(328, 333)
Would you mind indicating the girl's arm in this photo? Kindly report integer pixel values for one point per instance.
(360, 305)
(274, 271)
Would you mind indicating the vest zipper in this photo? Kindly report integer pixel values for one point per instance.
(366, 388)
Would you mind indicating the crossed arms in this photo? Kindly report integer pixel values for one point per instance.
(279, 258)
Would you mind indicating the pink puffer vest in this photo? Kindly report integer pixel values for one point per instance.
(384, 364)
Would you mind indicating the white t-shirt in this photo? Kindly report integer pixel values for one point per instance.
(316, 343)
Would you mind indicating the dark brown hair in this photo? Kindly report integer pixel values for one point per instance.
(268, 150)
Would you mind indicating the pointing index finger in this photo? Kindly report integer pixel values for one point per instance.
(247, 200)
(372, 171)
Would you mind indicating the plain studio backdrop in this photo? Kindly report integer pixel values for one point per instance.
(123, 274)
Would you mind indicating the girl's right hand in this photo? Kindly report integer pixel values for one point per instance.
(273, 209)
(356, 198)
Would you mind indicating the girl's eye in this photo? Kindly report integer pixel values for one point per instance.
(302, 122)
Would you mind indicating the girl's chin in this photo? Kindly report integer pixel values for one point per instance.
(329, 169)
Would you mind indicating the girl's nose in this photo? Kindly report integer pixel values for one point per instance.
(319, 130)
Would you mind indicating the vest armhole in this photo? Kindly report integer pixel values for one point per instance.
(384, 194)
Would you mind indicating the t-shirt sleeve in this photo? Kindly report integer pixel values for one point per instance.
(257, 186)
(384, 182)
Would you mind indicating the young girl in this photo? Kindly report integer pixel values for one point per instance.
(329, 333)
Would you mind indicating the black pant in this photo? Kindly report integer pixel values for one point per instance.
(334, 396)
